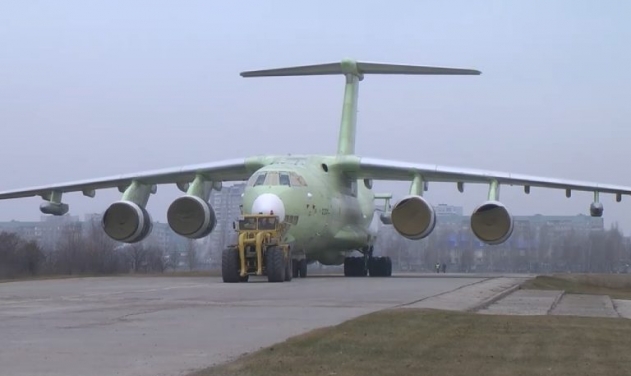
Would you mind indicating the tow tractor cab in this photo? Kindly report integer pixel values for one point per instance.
(259, 250)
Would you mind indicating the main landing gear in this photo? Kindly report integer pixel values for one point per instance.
(299, 268)
(367, 264)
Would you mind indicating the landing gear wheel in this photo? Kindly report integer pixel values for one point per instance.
(380, 266)
(295, 268)
(230, 265)
(275, 261)
(355, 267)
(302, 268)
(288, 270)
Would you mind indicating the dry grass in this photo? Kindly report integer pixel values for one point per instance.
(617, 286)
(427, 342)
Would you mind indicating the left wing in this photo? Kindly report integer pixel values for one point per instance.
(379, 169)
(227, 170)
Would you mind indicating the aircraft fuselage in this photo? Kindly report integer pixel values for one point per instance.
(329, 215)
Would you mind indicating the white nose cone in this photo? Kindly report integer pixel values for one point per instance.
(269, 202)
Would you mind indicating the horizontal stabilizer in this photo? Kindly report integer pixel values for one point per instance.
(357, 68)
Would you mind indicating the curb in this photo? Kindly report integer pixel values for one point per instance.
(484, 304)
(556, 302)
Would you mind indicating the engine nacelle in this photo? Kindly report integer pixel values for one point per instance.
(127, 222)
(492, 223)
(191, 217)
(596, 209)
(386, 219)
(413, 217)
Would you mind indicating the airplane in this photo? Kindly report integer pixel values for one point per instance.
(327, 200)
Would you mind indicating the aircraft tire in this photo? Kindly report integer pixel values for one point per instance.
(295, 268)
(355, 267)
(289, 270)
(230, 265)
(302, 269)
(275, 258)
(380, 266)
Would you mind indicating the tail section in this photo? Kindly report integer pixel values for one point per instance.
(354, 72)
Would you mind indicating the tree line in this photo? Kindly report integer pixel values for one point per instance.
(533, 249)
(85, 249)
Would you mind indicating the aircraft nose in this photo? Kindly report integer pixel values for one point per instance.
(268, 202)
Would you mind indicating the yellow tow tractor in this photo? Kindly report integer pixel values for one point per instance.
(259, 250)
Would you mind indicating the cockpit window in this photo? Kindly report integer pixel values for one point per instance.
(297, 180)
(260, 180)
(283, 179)
(272, 178)
(275, 178)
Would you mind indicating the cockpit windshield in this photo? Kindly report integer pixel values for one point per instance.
(276, 178)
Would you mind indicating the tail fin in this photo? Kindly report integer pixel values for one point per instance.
(354, 72)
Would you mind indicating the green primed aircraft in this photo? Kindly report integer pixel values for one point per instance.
(327, 200)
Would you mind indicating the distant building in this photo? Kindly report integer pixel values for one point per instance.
(448, 210)
(227, 206)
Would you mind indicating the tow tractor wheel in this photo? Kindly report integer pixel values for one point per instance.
(230, 265)
(275, 261)
(380, 266)
(355, 267)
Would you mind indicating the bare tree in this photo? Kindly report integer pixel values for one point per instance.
(138, 256)
(155, 259)
(191, 254)
(32, 257)
(69, 256)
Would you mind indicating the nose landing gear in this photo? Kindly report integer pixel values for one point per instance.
(299, 268)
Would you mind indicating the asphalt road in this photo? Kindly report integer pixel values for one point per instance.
(136, 326)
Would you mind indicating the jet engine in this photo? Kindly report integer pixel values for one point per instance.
(413, 217)
(191, 217)
(492, 223)
(596, 209)
(127, 222)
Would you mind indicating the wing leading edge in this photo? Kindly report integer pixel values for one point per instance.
(379, 169)
(227, 170)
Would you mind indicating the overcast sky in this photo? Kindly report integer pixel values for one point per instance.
(89, 89)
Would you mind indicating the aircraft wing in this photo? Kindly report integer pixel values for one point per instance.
(228, 170)
(379, 169)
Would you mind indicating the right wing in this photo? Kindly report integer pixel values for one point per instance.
(379, 169)
(227, 170)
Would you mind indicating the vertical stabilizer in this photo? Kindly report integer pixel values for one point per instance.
(353, 72)
(348, 124)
